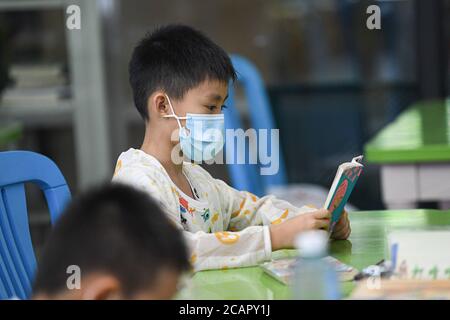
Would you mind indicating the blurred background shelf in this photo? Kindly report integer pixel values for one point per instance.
(56, 83)
(40, 115)
(31, 4)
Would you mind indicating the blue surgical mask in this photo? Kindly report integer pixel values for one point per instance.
(202, 138)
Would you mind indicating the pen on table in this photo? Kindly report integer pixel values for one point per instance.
(374, 270)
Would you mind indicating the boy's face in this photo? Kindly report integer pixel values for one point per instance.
(164, 288)
(206, 98)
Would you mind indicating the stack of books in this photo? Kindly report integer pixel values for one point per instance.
(36, 85)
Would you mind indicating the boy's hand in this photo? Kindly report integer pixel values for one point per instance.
(283, 235)
(342, 228)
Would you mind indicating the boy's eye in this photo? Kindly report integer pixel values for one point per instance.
(213, 108)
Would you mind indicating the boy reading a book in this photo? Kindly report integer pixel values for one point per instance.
(179, 80)
(111, 243)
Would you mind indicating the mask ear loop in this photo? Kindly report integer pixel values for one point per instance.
(173, 115)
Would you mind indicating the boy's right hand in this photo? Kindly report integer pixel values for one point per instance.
(283, 235)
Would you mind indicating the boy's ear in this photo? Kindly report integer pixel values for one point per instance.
(101, 287)
(159, 104)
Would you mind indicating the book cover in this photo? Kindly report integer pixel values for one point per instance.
(346, 177)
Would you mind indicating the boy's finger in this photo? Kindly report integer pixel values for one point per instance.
(344, 215)
(322, 214)
(342, 233)
(340, 228)
(321, 224)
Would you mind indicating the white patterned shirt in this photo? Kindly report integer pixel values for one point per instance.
(223, 227)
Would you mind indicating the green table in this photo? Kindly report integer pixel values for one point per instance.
(366, 246)
(414, 154)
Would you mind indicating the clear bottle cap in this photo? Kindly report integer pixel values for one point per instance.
(313, 243)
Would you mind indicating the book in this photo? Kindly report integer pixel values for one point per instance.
(35, 85)
(34, 97)
(37, 75)
(343, 184)
(283, 270)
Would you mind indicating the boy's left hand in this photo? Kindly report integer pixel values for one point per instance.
(342, 228)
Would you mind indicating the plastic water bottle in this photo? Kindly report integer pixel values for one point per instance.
(315, 278)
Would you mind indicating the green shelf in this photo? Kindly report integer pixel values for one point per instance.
(419, 134)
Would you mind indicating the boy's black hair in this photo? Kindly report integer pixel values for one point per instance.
(113, 229)
(175, 59)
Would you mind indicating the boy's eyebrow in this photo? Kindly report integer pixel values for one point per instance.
(217, 97)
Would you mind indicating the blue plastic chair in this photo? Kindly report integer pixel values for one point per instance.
(247, 176)
(17, 259)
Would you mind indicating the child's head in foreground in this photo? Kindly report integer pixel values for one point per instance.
(124, 245)
(180, 64)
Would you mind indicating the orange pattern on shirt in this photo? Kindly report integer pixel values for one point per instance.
(254, 198)
(227, 237)
(118, 166)
(282, 217)
(236, 213)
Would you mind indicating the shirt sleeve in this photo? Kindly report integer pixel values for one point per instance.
(245, 209)
(222, 250)
(247, 219)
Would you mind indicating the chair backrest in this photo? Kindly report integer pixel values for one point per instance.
(247, 176)
(17, 259)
